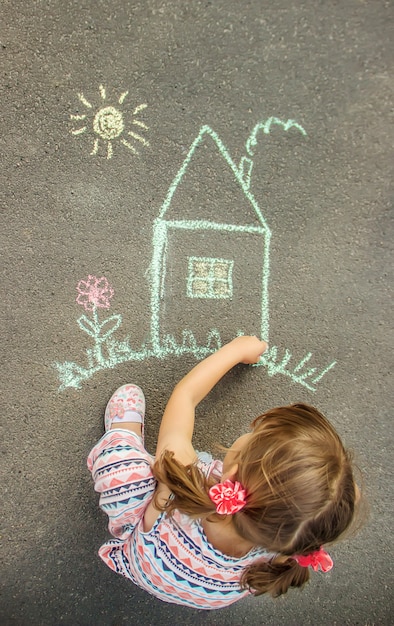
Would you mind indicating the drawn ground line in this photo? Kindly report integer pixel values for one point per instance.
(199, 352)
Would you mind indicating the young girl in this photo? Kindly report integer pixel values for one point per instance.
(203, 533)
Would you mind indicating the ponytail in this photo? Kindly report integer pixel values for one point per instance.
(188, 485)
(274, 577)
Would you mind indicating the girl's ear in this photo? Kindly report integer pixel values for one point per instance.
(231, 473)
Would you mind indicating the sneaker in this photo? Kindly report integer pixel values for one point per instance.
(127, 404)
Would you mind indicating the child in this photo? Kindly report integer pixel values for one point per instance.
(203, 533)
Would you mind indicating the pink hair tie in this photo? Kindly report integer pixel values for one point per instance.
(314, 559)
(228, 497)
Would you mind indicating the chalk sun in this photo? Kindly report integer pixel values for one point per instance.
(108, 124)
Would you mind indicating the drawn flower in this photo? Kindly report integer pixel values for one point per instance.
(94, 293)
(229, 497)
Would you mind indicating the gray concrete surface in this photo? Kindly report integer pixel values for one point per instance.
(67, 214)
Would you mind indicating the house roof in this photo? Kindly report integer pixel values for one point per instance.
(209, 186)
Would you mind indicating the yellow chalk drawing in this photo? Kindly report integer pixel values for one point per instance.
(109, 122)
(208, 286)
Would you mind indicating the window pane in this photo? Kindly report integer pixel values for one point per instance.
(209, 278)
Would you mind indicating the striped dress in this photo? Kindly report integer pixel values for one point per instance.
(173, 561)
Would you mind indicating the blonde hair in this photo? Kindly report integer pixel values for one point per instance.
(300, 486)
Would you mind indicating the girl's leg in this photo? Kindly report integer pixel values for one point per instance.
(120, 465)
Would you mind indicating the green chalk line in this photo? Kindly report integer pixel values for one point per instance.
(73, 375)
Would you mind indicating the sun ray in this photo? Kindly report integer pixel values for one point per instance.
(122, 97)
(139, 108)
(84, 101)
(109, 150)
(77, 117)
(79, 131)
(95, 147)
(138, 137)
(141, 124)
(102, 92)
(128, 145)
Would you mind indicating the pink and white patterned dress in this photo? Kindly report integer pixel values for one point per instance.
(173, 561)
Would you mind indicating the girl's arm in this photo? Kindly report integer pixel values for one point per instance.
(176, 429)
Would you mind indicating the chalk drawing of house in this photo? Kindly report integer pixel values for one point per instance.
(209, 271)
(210, 264)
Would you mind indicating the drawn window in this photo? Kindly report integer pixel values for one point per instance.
(210, 278)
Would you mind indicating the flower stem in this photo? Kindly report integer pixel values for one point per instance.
(97, 348)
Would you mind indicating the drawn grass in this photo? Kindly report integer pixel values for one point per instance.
(73, 375)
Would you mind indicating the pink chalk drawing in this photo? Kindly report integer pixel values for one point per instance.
(94, 292)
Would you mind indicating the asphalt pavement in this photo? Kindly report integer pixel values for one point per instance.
(173, 174)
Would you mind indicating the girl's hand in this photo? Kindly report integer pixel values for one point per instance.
(250, 349)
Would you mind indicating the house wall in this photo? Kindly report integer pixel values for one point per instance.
(240, 313)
